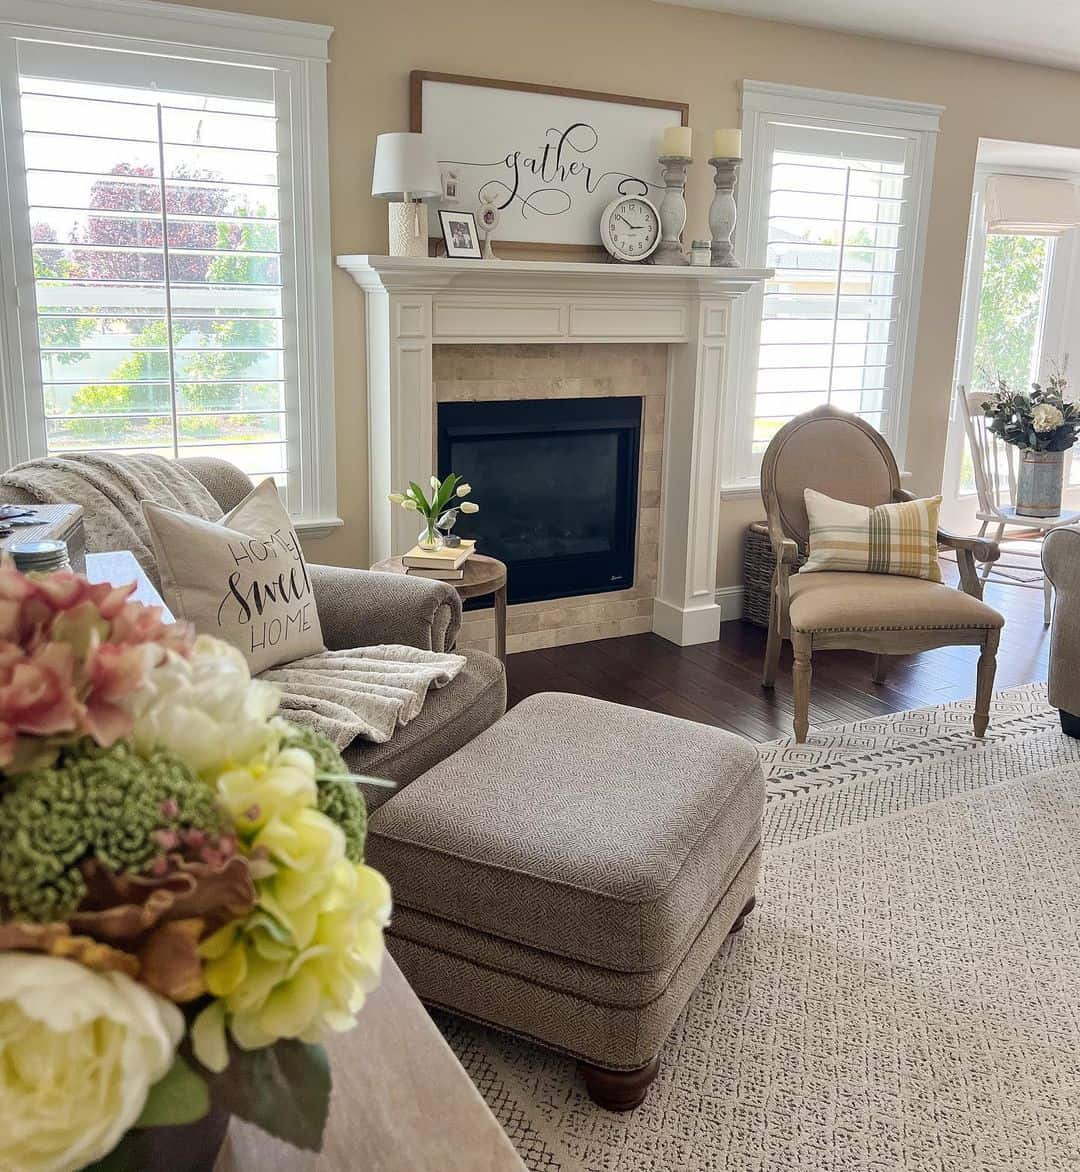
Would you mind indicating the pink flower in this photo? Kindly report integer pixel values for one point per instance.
(115, 671)
(37, 693)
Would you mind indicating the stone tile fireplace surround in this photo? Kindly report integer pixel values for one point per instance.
(453, 331)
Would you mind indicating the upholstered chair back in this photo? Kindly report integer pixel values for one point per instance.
(833, 452)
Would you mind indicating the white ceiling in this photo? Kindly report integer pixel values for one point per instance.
(1043, 31)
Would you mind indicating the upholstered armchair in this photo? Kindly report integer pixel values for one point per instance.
(842, 456)
(1061, 561)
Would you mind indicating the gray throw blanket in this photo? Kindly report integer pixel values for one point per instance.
(368, 692)
(111, 489)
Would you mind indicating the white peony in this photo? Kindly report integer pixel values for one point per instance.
(207, 709)
(1046, 417)
(79, 1052)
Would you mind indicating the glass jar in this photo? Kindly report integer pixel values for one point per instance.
(701, 252)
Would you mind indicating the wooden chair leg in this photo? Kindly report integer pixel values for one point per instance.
(984, 684)
(772, 653)
(801, 674)
(882, 663)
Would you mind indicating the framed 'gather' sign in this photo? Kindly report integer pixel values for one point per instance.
(549, 159)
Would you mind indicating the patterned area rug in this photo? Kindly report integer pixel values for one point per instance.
(906, 995)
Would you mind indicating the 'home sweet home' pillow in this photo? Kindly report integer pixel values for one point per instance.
(888, 539)
(242, 579)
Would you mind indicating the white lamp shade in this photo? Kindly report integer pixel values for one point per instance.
(405, 168)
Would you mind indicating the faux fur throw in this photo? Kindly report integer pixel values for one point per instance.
(368, 692)
(111, 490)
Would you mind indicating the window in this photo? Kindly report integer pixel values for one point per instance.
(171, 243)
(834, 192)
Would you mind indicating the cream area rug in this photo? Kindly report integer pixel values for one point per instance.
(906, 995)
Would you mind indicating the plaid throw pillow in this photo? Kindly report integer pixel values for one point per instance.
(888, 539)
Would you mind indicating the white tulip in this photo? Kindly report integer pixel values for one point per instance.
(396, 498)
(410, 506)
(469, 507)
(434, 482)
(464, 489)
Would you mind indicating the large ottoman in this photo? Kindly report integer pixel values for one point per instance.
(569, 875)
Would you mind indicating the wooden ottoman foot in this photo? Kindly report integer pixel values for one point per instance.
(619, 1090)
(741, 918)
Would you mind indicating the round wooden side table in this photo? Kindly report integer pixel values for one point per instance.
(483, 575)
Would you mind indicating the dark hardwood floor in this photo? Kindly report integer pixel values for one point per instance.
(720, 683)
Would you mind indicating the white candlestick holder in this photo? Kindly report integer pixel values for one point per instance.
(722, 212)
(672, 211)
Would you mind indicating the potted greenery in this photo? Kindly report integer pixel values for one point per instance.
(1044, 425)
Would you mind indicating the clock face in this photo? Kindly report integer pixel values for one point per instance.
(630, 228)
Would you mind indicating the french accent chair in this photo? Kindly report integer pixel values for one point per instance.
(842, 456)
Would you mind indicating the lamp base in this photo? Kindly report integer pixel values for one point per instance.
(408, 228)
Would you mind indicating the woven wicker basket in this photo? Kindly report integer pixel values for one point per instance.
(758, 562)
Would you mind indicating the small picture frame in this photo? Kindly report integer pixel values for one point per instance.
(460, 234)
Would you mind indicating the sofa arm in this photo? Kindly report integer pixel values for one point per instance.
(360, 608)
(1061, 563)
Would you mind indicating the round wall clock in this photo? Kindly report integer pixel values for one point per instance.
(630, 228)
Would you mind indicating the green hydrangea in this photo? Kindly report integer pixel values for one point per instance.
(340, 798)
(323, 750)
(103, 804)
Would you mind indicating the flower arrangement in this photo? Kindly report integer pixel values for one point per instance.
(184, 907)
(438, 512)
(1042, 420)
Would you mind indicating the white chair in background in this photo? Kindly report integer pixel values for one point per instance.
(994, 467)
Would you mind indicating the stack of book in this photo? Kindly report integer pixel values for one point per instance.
(445, 565)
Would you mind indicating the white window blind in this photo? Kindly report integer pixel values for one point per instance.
(837, 208)
(157, 251)
(835, 234)
(166, 222)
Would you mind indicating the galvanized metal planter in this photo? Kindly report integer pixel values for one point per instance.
(1038, 487)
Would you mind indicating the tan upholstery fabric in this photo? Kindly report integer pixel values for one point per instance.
(450, 718)
(1061, 560)
(881, 602)
(831, 456)
(569, 875)
(597, 1027)
(577, 827)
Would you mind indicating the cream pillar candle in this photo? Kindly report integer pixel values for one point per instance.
(727, 144)
(677, 140)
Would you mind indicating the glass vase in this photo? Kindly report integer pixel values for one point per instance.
(430, 537)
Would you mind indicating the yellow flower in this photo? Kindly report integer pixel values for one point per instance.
(79, 1051)
(304, 960)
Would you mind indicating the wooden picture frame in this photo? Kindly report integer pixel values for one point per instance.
(553, 182)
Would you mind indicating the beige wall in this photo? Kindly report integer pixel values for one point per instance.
(640, 47)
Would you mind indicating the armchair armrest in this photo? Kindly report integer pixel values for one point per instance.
(360, 608)
(969, 550)
(981, 548)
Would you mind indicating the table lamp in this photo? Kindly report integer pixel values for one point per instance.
(406, 173)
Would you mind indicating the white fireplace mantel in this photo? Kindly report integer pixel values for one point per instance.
(413, 304)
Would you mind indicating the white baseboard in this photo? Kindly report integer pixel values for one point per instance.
(730, 601)
(686, 627)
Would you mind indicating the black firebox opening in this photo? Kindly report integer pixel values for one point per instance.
(557, 485)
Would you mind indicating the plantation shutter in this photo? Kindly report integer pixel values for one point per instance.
(839, 235)
(160, 254)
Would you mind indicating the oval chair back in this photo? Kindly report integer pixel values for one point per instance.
(829, 450)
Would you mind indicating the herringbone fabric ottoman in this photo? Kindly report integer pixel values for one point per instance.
(569, 875)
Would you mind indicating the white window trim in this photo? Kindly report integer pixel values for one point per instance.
(1061, 297)
(297, 49)
(761, 101)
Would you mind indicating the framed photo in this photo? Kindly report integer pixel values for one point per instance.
(548, 159)
(460, 234)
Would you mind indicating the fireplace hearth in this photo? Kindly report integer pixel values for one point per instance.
(557, 480)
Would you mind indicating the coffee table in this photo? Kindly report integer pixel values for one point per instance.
(483, 575)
